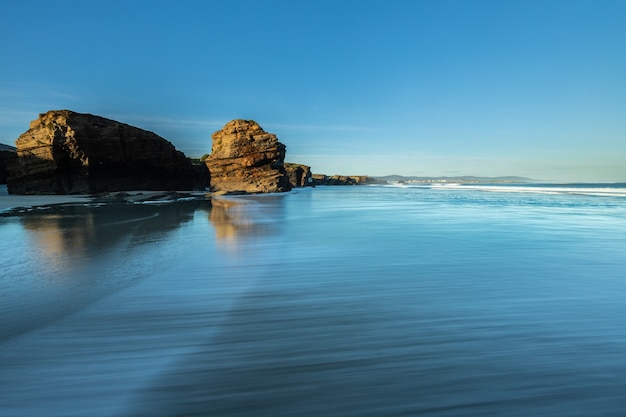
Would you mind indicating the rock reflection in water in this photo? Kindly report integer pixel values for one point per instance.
(229, 219)
(67, 234)
(250, 217)
(76, 254)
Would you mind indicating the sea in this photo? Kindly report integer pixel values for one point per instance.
(384, 300)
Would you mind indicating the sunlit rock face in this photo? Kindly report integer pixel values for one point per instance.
(65, 152)
(246, 159)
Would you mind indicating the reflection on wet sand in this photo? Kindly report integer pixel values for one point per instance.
(78, 230)
(194, 384)
(235, 219)
(120, 290)
(79, 253)
(229, 219)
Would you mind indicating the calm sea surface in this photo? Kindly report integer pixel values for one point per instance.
(335, 301)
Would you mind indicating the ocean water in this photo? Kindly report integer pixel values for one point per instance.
(452, 300)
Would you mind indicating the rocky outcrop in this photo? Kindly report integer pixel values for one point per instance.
(320, 179)
(65, 152)
(7, 155)
(299, 175)
(246, 159)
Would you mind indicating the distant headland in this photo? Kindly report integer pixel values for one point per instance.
(467, 179)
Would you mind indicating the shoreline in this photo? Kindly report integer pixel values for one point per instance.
(12, 202)
(19, 202)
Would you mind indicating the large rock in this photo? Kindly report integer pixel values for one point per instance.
(65, 152)
(299, 175)
(246, 159)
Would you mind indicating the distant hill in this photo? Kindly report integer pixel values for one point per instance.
(460, 179)
(9, 148)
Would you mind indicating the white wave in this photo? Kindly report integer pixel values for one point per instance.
(548, 189)
(591, 190)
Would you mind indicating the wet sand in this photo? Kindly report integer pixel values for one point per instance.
(9, 202)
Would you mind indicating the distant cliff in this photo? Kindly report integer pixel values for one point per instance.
(320, 179)
(7, 154)
(246, 159)
(65, 152)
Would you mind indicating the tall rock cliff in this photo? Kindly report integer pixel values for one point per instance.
(65, 152)
(246, 159)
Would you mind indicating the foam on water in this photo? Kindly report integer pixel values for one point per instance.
(600, 190)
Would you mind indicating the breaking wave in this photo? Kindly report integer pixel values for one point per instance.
(587, 189)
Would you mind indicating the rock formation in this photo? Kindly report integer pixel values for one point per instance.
(246, 159)
(65, 152)
(7, 154)
(299, 175)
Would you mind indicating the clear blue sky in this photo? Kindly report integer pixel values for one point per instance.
(530, 88)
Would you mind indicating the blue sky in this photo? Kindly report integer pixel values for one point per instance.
(530, 88)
